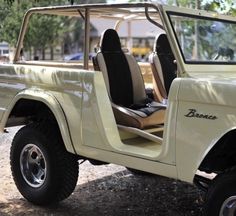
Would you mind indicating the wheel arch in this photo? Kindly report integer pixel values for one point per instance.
(222, 155)
(47, 104)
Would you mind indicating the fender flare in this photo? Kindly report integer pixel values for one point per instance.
(53, 104)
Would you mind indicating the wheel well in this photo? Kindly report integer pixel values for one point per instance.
(26, 111)
(222, 156)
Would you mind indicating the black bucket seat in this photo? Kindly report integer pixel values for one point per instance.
(125, 85)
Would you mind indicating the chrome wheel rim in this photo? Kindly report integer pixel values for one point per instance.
(33, 165)
(229, 207)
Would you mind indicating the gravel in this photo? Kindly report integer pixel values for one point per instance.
(104, 190)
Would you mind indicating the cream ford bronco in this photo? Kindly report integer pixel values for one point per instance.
(99, 111)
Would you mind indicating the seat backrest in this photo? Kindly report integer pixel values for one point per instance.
(121, 72)
(163, 65)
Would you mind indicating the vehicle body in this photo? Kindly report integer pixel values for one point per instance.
(200, 120)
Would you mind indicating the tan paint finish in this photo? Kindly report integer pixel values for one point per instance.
(55, 87)
(79, 100)
(196, 136)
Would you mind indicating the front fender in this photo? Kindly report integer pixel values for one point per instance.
(52, 103)
(206, 111)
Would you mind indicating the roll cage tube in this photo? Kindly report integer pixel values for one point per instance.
(66, 10)
(151, 20)
(86, 36)
(116, 27)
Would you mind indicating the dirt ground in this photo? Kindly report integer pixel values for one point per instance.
(103, 190)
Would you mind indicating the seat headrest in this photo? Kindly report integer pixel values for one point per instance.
(110, 41)
(162, 45)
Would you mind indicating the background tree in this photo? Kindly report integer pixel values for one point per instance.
(68, 31)
(44, 31)
(221, 6)
(203, 39)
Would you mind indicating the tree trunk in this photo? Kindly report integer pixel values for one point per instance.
(51, 53)
(198, 4)
(43, 53)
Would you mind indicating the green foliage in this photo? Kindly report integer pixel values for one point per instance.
(205, 39)
(43, 31)
(11, 22)
(136, 0)
(220, 6)
(47, 31)
(13, 16)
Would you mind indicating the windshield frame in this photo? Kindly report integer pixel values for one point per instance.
(199, 17)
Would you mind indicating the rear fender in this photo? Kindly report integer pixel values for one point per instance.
(52, 103)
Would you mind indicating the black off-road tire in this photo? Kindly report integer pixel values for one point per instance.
(222, 191)
(60, 176)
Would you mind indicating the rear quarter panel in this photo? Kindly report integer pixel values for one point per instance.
(10, 85)
(65, 85)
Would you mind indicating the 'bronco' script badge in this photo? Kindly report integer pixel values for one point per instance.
(193, 114)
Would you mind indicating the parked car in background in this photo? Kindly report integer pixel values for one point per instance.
(77, 56)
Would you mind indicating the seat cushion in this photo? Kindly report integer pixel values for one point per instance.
(141, 118)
